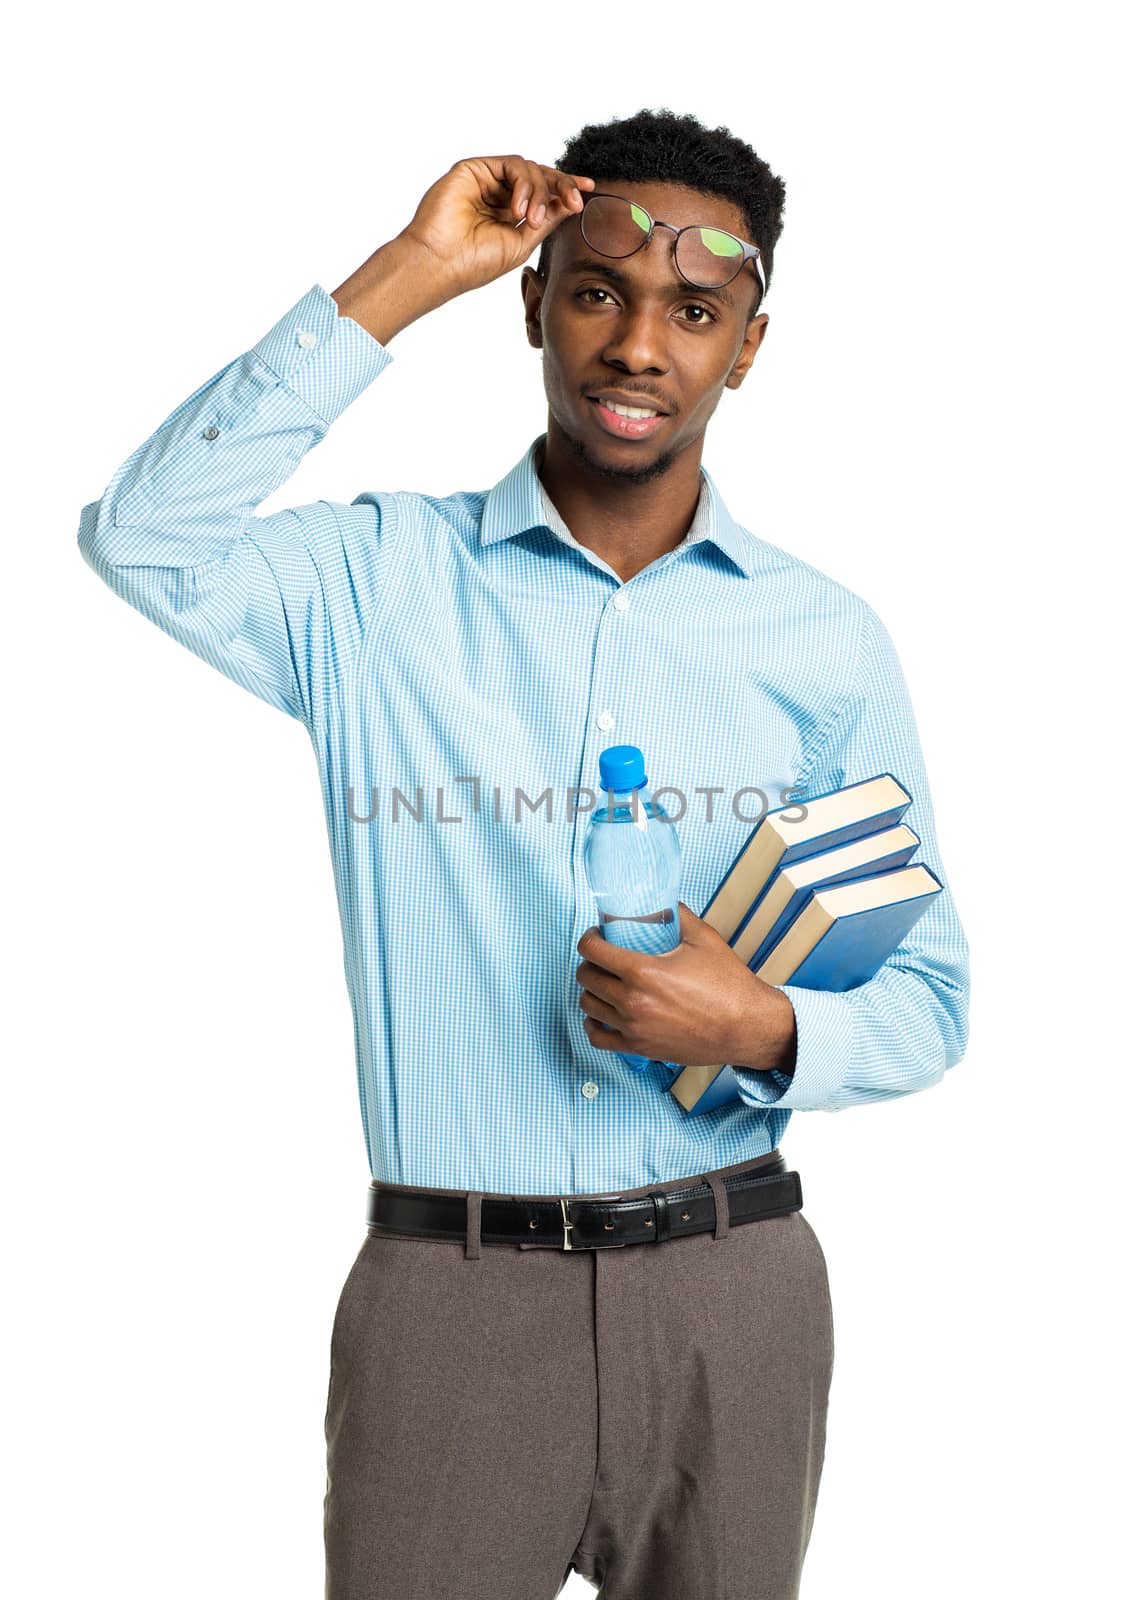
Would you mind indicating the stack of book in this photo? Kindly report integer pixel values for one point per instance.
(820, 894)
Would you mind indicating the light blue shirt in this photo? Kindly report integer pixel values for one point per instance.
(466, 655)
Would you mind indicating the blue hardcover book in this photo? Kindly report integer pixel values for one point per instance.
(698, 1093)
(795, 831)
(793, 887)
(838, 941)
(846, 932)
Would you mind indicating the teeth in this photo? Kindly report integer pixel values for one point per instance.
(626, 411)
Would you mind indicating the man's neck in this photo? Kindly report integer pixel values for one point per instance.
(627, 524)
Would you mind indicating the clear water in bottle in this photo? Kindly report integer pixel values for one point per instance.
(633, 862)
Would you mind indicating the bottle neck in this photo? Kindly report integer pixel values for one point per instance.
(627, 804)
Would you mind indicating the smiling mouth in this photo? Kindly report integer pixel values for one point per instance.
(626, 427)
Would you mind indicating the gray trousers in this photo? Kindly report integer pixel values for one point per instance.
(651, 1417)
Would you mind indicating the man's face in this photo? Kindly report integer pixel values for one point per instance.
(635, 330)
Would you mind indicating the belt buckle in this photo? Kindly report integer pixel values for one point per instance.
(567, 1226)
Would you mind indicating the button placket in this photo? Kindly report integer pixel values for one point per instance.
(586, 1059)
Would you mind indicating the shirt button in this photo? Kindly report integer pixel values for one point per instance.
(621, 600)
(605, 720)
(211, 433)
(306, 338)
(589, 1089)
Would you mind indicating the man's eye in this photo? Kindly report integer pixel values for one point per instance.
(693, 306)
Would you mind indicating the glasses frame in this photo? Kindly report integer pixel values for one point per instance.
(750, 252)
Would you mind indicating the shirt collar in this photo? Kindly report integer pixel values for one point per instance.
(518, 503)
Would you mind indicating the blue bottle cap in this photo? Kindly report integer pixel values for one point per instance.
(622, 767)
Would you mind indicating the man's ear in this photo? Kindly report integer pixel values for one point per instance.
(754, 334)
(532, 290)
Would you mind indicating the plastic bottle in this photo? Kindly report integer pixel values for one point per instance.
(633, 862)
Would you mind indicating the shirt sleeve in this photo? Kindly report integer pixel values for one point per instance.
(275, 602)
(902, 1029)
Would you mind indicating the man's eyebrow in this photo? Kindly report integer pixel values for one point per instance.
(596, 264)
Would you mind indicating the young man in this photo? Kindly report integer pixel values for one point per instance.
(517, 1390)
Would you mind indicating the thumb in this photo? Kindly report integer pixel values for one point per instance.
(694, 930)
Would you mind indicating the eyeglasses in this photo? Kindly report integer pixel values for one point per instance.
(707, 258)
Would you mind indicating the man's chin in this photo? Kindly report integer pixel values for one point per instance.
(595, 456)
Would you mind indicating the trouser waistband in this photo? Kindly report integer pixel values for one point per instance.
(710, 1202)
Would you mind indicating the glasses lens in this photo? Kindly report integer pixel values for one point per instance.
(709, 257)
(614, 227)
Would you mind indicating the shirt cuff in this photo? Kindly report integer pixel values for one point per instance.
(326, 359)
(825, 1030)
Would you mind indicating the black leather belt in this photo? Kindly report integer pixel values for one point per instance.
(577, 1223)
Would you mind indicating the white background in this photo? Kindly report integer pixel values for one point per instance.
(943, 416)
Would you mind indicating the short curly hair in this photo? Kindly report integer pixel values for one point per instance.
(665, 147)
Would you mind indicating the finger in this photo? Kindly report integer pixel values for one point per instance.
(519, 170)
(549, 201)
(566, 197)
(529, 183)
(614, 957)
(689, 922)
(539, 200)
(563, 190)
(534, 185)
(517, 180)
(599, 1010)
(603, 1039)
(569, 187)
(513, 180)
(600, 983)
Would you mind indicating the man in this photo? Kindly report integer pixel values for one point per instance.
(518, 1390)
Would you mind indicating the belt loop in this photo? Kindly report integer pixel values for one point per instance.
(721, 1203)
(473, 1224)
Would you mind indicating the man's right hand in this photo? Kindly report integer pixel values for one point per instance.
(481, 219)
(489, 213)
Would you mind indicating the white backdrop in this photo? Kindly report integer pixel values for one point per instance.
(942, 416)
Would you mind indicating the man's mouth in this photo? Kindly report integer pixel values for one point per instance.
(626, 422)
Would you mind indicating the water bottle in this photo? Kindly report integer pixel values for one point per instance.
(633, 863)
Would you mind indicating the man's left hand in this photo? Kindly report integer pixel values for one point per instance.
(697, 1004)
